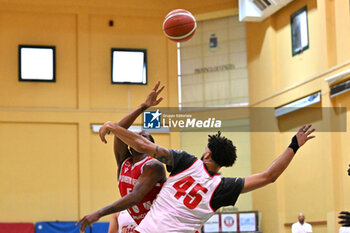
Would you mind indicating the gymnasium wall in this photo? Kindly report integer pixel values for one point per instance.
(316, 182)
(52, 166)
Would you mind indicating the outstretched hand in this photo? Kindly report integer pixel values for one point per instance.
(151, 99)
(303, 135)
(345, 218)
(88, 220)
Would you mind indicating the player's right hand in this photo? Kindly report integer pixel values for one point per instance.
(151, 99)
(105, 129)
(303, 135)
(88, 220)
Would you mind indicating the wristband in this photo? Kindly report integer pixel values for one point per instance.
(294, 144)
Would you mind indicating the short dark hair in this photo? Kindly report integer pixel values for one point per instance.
(223, 152)
(147, 135)
(151, 138)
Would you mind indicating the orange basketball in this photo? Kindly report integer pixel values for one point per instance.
(179, 25)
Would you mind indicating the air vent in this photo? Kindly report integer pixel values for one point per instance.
(340, 88)
(258, 10)
(298, 104)
(262, 4)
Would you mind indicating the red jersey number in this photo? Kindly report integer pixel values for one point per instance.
(192, 198)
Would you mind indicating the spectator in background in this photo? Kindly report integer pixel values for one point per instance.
(301, 226)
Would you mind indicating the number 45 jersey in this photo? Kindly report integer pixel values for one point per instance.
(189, 197)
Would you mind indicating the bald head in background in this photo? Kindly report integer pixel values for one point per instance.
(301, 218)
(301, 226)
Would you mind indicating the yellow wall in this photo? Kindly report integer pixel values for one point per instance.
(316, 182)
(38, 28)
(52, 167)
(39, 171)
(342, 24)
(341, 152)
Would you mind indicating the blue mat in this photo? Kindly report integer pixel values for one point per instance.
(69, 227)
(58, 227)
(100, 227)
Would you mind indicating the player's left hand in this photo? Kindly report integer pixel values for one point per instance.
(152, 98)
(88, 220)
(303, 134)
(345, 218)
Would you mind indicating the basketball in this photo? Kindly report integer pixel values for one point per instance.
(179, 25)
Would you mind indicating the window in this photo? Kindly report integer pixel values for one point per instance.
(37, 63)
(300, 34)
(129, 66)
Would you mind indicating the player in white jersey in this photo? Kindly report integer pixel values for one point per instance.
(195, 190)
(192, 190)
(121, 222)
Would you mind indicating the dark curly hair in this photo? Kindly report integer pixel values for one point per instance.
(223, 152)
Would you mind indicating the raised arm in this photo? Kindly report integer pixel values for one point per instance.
(120, 148)
(271, 174)
(153, 172)
(137, 142)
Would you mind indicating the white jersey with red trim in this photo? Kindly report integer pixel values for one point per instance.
(129, 173)
(125, 223)
(183, 202)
